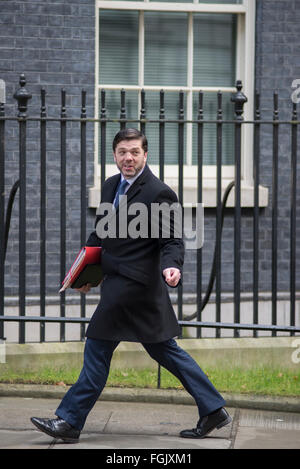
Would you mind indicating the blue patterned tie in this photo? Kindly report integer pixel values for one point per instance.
(120, 191)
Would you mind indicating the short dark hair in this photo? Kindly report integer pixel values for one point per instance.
(130, 134)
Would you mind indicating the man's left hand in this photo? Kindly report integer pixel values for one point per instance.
(172, 276)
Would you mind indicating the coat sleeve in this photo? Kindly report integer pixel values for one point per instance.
(93, 240)
(171, 247)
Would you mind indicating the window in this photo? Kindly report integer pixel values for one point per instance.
(189, 46)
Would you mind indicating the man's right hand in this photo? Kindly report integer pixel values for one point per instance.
(85, 288)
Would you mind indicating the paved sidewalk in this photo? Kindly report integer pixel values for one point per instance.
(136, 425)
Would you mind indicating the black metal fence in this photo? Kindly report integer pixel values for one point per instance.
(195, 320)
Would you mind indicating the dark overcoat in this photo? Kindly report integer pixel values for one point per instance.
(135, 305)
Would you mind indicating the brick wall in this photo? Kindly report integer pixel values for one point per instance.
(53, 43)
(277, 65)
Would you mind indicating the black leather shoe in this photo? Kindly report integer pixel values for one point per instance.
(207, 424)
(57, 428)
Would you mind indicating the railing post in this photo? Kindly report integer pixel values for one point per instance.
(219, 211)
(22, 96)
(103, 138)
(180, 182)
(199, 200)
(83, 207)
(239, 99)
(123, 110)
(63, 155)
(161, 170)
(161, 135)
(43, 186)
(275, 211)
(143, 112)
(2, 202)
(293, 218)
(256, 178)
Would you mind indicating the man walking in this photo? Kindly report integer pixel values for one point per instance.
(135, 304)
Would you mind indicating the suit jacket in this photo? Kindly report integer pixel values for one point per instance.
(135, 305)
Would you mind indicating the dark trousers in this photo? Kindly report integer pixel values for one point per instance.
(81, 397)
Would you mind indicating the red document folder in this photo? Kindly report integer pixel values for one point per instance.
(85, 269)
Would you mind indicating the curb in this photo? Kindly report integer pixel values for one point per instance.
(159, 396)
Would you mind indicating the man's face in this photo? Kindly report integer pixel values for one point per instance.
(130, 157)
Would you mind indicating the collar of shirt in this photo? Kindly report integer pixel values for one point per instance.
(131, 180)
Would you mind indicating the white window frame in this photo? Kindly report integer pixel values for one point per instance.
(245, 71)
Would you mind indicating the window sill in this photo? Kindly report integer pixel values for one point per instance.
(208, 193)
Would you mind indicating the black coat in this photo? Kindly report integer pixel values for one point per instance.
(135, 305)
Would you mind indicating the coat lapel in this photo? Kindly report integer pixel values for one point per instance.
(110, 189)
(136, 187)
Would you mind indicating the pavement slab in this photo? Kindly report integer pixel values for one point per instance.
(141, 426)
(138, 441)
(20, 439)
(268, 430)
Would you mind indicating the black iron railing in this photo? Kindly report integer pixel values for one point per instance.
(22, 97)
